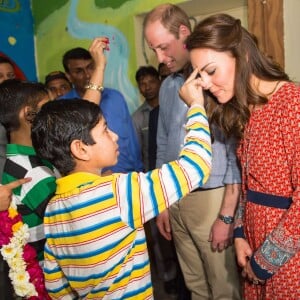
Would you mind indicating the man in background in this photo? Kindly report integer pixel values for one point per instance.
(162, 253)
(57, 84)
(147, 78)
(79, 65)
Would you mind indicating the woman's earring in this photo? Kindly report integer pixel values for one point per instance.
(184, 46)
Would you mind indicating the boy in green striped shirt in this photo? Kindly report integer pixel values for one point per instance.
(19, 102)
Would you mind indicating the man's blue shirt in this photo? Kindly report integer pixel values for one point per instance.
(116, 113)
(171, 132)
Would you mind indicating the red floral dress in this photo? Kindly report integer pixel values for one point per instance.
(270, 160)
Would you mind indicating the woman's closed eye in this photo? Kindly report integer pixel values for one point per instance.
(211, 72)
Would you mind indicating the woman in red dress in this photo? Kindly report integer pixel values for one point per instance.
(252, 98)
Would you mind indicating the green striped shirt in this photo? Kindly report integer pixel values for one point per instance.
(31, 198)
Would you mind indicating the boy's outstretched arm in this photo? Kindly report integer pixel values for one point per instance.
(152, 192)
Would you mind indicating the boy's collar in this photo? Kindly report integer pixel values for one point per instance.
(77, 180)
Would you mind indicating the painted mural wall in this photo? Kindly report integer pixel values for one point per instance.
(35, 34)
(61, 25)
(16, 36)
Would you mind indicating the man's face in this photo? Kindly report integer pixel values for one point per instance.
(58, 87)
(80, 72)
(149, 87)
(168, 49)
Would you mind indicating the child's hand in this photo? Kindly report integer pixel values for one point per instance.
(95, 86)
(6, 192)
(96, 50)
(191, 92)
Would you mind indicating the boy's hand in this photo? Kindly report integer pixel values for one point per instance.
(96, 50)
(191, 92)
(6, 192)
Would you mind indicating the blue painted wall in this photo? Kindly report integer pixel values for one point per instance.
(16, 35)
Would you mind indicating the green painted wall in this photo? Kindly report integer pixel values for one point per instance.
(61, 25)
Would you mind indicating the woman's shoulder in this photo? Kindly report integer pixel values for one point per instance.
(287, 93)
(286, 101)
(289, 88)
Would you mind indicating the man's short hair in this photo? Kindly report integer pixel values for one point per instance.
(56, 75)
(75, 53)
(144, 71)
(170, 16)
(58, 124)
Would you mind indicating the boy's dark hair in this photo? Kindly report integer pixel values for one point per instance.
(144, 71)
(16, 94)
(75, 53)
(60, 122)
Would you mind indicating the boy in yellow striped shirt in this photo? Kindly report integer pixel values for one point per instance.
(96, 246)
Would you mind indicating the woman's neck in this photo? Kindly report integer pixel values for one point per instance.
(264, 87)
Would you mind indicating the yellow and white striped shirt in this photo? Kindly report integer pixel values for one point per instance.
(96, 246)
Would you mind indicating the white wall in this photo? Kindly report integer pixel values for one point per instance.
(291, 10)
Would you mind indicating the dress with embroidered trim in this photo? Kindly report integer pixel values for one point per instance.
(270, 159)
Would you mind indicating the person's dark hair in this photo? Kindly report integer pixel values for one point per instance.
(163, 71)
(56, 75)
(4, 60)
(75, 53)
(144, 71)
(160, 66)
(171, 17)
(15, 95)
(60, 122)
(223, 33)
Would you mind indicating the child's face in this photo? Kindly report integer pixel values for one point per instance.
(105, 151)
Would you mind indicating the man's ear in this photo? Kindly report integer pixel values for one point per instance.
(69, 77)
(79, 150)
(184, 31)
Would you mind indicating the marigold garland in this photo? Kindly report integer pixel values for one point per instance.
(25, 272)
